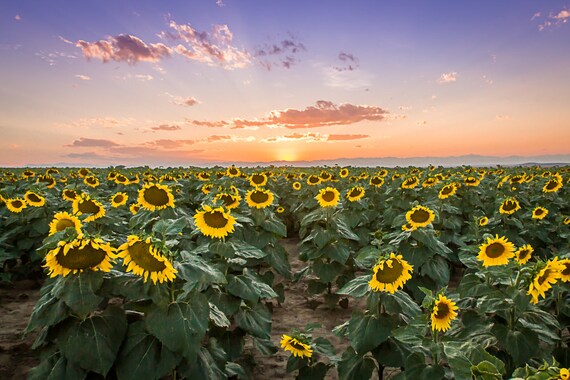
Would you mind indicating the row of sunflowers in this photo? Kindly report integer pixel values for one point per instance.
(169, 271)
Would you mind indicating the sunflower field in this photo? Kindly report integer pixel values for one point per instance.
(176, 273)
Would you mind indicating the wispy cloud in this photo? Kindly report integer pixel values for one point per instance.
(95, 122)
(448, 77)
(281, 54)
(86, 142)
(82, 77)
(53, 57)
(348, 62)
(166, 127)
(124, 48)
(503, 117)
(314, 137)
(18, 18)
(348, 137)
(183, 101)
(553, 19)
(323, 113)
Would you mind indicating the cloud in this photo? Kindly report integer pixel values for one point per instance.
(183, 101)
(346, 137)
(217, 138)
(166, 127)
(349, 62)
(86, 142)
(220, 3)
(448, 77)
(82, 77)
(421, 122)
(536, 15)
(90, 156)
(96, 122)
(18, 18)
(53, 57)
(323, 113)
(169, 144)
(124, 48)
(553, 20)
(314, 137)
(214, 48)
(503, 117)
(281, 54)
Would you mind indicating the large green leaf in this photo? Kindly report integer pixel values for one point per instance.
(272, 224)
(416, 368)
(218, 317)
(250, 288)
(247, 251)
(56, 367)
(256, 321)
(48, 311)
(278, 259)
(437, 269)
(355, 367)
(521, 344)
(93, 343)
(182, 326)
(327, 272)
(198, 272)
(142, 356)
(366, 332)
(357, 287)
(79, 291)
(337, 251)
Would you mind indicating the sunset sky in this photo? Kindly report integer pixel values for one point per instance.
(199, 82)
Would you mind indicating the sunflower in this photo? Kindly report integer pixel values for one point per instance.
(258, 179)
(79, 255)
(539, 213)
(376, 181)
(47, 180)
(509, 206)
(543, 280)
(343, 173)
(296, 347)
(28, 174)
(363, 175)
(232, 171)
(203, 176)
(565, 273)
(91, 181)
(296, 186)
(69, 194)
(154, 196)
(313, 180)
(382, 173)
(408, 227)
(496, 251)
(325, 176)
(355, 194)
(566, 220)
(328, 197)
(448, 191)
(443, 312)
(523, 254)
(259, 198)
(564, 374)
(34, 199)
(142, 258)
(119, 199)
(552, 186)
(63, 220)
(121, 179)
(410, 183)
(134, 208)
(430, 182)
(280, 209)
(483, 221)
(390, 274)
(214, 222)
(230, 201)
(83, 172)
(16, 205)
(83, 204)
(472, 181)
(420, 216)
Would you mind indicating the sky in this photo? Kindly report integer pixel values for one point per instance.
(164, 83)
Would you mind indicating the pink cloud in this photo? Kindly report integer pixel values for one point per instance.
(553, 20)
(349, 62)
(283, 53)
(217, 138)
(169, 144)
(125, 48)
(18, 18)
(448, 77)
(166, 127)
(83, 77)
(209, 124)
(85, 142)
(347, 137)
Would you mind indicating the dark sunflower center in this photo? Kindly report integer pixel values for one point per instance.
(566, 270)
(344, 172)
(313, 179)
(328, 196)
(447, 190)
(227, 199)
(376, 181)
(420, 216)
(91, 180)
(63, 224)
(118, 198)
(34, 198)
(257, 179)
(542, 279)
(28, 174)
(155, 196)
(215, 219)
(85, 258)
(495, 250)
(83, 172)
(442, 310)
(17, 203)
(523, 254)
(88, 207)
(470, 180)
(259, 197)
(410, 181)
(509, 205)
(325, 176)
(233, 171)
(121, 178)
(297, 185)
(298, 346)
(70, 194)
(140, 254)
(551, 185)
(355, 193)
(390, 275)
(538, 212)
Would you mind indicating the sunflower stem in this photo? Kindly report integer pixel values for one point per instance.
(435, 358)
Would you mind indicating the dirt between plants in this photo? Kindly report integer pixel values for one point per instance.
(17, 302)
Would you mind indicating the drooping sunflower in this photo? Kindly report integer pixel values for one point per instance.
(376, 181)
(84, 204)
(496, 251)
(328, 197)
(545, 278)
(443, 312)
(69, 194)
(258, 179)
(91, 181)
(119, 199)
(203, 176)
(539, 213)
(552, 186)
(483, 221)
(34, 199)
(296, 346)
(214, 222)
(355, 193)
(232, 171)
(420, 216)
(343, 173)
(28, 174)
(154, 196)
(447, 191)
(63, 220)
(382, 173)
(390, 274)
(80, 255)
(472, 181)
(313, 180)
(142, 258)
(509, 206)
(410, 183)
(231, 201)
(47, 180)
(523, 254)
(565, 273)
(430, 182)
(134, 208)
(296, 186)
(206, 188)
(16, 205)
(259, 198)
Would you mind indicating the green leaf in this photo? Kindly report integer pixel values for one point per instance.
(247, 251)
(182, 326)
(337, 251)
(367, 256)
(79, 291)
(521, 345)
(48, 311)
(272, 224)
(327, 271)
(143, 356)
(278, 259)
(317, 371)
(355, 367)
(204, 368)
(264, 346)
(323, 346)
(56, 367)
(366, 332)
(406, 305)
(256, 321)
(249, 288)
(472, 286)
(218, 317)
(197, 272)
(486, 371)
(417, 369)
(93, 343)
(437, 269)
(344, 231)
(222, 248)
(357, 287)
(168, 227)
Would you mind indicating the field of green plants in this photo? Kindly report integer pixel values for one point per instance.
(460, 273)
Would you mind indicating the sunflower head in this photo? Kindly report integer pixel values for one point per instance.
(16, 205)
(313, 180)
(63, 220)
(509, 206)
(232, 172)
(552, 186)
(119, 199)
(142, 258)
(280, 210)
(83, 172)
(496, 251)
(230, 201)
(523, 254)
(79, 255)
(47, 180)
(390, 274)
(443, 312)
(565, 271)
(430, 182)
(91, 181)
(296, 346)
(447, 191)
(259, 198)
(483, 221)
(134, 208)
(546, 275)
(258, 179)
(214, 222)
(84, 204)
(564, 374)
(121, 179)
(472, 181)
(355, 193)
(420, 216)
(328, 197)
(34, 199)
(154, 196)
(376, 181)
(410, 183)
(539, 213)
(296, 186)
(343, 173)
